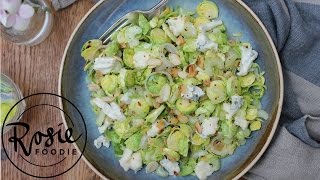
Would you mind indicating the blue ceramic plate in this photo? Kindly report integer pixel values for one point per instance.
(237, 18)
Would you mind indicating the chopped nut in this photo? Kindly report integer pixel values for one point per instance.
(159, 100)
(228, 74)
(183, 89)
(161, 124)
(192, 71)
(206, 82)
(237, 63)
(200, 62)
(198, 127)
(180, 41)
(174, 72)
(173, 120)
(123, 45)
(156, 105)
(183, 119)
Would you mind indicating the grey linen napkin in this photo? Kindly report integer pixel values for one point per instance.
(295, 150)
(294, 26)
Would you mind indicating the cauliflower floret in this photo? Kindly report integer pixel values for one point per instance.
(176, 25)
(232, 109)
(105, 126)
(209, 126)
(204, 43)
(247, 57)
(112, 110)
(203, 170)
(140, 59)
(101, 141)
(209, 26)
(193, 93)
(172, 167)
(125, 158)
(126, 98)
(130, 160)
(106, 65)
(136, 162)
(241, 121)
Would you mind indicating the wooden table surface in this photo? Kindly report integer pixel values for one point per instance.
(36, 69)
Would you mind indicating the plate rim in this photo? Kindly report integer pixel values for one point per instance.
(281, 86)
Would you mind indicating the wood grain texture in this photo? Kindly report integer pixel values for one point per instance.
(36, 69)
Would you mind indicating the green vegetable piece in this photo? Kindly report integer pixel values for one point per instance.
(144, 24)
(113, 136)
(152, 154)
(186, 106)
(158, 36)
(197, 139)
(213, 160)
(155, 83)
(154, 114)
(171, 155)
(190, 45)
(167, 31)
(216, 92)
(233, 86)
(214, 59)
(188, 168)
(247, 80)
(156, 143)
(220, 28)
(206, 108)
(190, 31)
(191, 81)
(242, 134)
(90, 48)
(139, 108)
(128, 57)
(177, 141)
(154, 22)
(200, 21)
(202, 76)
(251, 114)
(208, 9)
(229, 129)
(218, 37)
(175, 93)
(117, 149)
(185, 129)
(133, 142)
(109, 84)
(122, 128)
(127, 78)
(255, 125)
(111, 50)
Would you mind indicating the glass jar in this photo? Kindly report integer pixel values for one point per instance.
(28, 22)
(10, 94)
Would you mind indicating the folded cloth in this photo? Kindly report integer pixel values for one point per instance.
(294, 26)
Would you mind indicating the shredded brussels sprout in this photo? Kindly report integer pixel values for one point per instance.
(175, 92)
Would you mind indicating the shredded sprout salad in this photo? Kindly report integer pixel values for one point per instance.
(174, 92)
